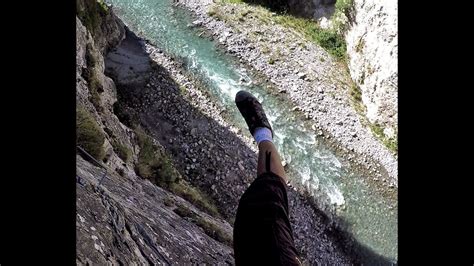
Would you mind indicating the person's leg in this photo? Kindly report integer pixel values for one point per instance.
(261, 130)
(268, 157)
(262, 230)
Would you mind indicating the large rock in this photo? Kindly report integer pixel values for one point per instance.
(372, 46)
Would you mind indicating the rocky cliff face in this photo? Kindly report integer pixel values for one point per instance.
(372, 46)
(129, 220)
(126, 219)
(96, 93)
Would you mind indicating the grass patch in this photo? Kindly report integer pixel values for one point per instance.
(370, 70)
(94, 85)
(90, 13)
(245, 12)
(343, 6)
(343, 14)
(122, 151)
(182, 90)
(390, 143)
(184, 212)
(90, 58)
(153, 163)
(94, 88)
(377, 129)
(328, 39)
(360, 45)
(213, 12)
(214, 231)
(209, 228)
(102, 6)
(233, 1)
(278, 53)
(89, 136)
(356, 93)
(195, 196)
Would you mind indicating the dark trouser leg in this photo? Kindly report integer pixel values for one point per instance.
(262, 230)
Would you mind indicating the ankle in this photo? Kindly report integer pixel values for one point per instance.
(262, 134)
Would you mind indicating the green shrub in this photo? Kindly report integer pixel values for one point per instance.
(214, 231)
(344, 7)
(94, 88)
(103, 7)
(390, 143)
(377, 129)
(94, 85)
(184, 212)
(333, 42)
(90, 13)
(195, 196)
(122, 151)
(91, 61)
(89, 136)
(208, 227)
(356, 93)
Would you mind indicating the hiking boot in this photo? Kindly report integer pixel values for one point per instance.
(252, 111)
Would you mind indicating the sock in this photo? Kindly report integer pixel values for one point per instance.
(261, 134)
